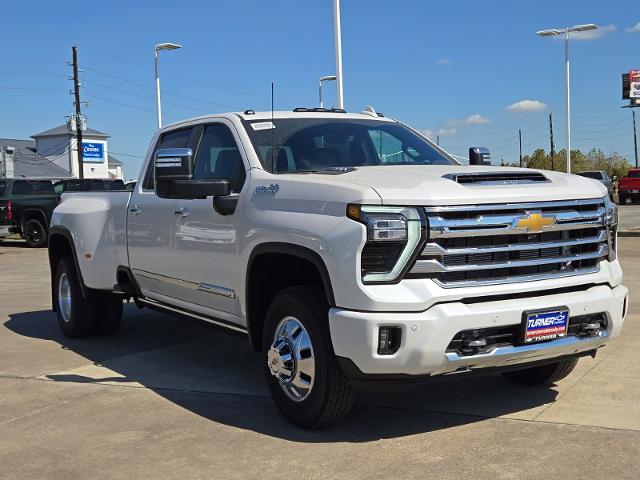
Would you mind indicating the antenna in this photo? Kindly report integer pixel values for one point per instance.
(273, 140)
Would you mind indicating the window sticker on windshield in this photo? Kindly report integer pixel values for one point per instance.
(263, 125)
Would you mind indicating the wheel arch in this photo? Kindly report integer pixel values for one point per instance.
(61, 245)
(300, 261)
(33, 213)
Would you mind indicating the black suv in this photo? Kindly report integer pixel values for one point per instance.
(25, 208)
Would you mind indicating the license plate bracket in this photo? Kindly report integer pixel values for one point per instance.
(543, 325)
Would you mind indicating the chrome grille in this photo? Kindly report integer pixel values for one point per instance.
(492, 244)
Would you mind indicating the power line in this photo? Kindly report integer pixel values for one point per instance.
(35, 74)
(4, 87)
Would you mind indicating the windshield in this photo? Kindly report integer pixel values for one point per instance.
(295, 145)
(596, 175)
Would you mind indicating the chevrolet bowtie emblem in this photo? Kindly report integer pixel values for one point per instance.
(535, 222)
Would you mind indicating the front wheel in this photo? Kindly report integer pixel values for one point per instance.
(544, 374)
(303, 375)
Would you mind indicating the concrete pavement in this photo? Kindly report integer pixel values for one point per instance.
(167, 398)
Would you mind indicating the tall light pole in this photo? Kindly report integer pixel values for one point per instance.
(338, 45)
(156, 49)
(566, 31)
(327, 78)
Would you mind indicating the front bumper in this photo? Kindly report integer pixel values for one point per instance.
(426, 335)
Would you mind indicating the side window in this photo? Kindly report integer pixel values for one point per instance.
(174, 139)
(388, 147)
(218, 157)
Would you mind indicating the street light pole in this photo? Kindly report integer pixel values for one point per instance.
(566, 32)
(327, 78)
(338, 46)
(568, 120)
(156, 49)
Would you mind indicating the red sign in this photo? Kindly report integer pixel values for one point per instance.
(634, 83)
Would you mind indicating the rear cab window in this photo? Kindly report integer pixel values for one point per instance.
(33, 187)
(3, 189)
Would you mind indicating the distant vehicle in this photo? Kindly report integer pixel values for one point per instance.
(629, 187)
(602, 177)
(129, 186)
(87, 185)
(25, 208)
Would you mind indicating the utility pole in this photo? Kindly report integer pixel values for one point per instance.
(520, 138)
(438, 140)
(78, 119)
(635, 138)
(553, 146)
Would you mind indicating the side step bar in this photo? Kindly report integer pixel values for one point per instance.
(162, 307)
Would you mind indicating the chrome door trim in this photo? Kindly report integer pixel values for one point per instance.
(201, 287)
(216, 290)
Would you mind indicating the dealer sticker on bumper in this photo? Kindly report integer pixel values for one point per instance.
(546, 325)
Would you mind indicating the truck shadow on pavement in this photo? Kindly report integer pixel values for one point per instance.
(217, 377)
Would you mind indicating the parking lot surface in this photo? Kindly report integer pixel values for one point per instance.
(168, 398)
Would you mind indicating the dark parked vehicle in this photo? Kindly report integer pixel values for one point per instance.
(26, 207)
(87, 185)
(602, 177)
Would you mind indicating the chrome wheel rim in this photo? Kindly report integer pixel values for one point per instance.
(291, 359)
(64, 297)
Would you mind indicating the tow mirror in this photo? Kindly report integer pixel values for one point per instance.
(173, 170)
(479, 156)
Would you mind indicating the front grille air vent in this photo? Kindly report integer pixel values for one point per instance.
(497, 178)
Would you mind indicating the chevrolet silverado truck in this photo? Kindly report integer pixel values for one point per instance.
(629, 187)
(351, 251)
(25, 208)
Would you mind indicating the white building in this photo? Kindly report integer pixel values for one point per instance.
(53, 153)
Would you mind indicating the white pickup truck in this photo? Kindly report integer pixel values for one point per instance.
(351, 251)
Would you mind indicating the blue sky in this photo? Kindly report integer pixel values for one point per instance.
(449, 67)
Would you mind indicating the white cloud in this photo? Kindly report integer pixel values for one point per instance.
(591, 34)
(634, 29)
(477, 119)
(443, 132)
(444, 61)
(527, 106)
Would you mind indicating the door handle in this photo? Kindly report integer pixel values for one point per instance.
(182, 213)
(136, 210)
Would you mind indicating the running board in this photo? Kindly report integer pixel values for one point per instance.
(170, 308)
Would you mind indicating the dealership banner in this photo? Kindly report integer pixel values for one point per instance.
(93, 152)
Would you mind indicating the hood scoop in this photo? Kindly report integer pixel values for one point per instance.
(496, 178)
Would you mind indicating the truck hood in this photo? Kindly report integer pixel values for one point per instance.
(442, 184)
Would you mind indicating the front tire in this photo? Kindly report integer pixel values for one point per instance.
(304, 378)
(34, 233)
(544, 374)
(76, 314)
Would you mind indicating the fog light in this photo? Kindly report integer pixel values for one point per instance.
(389, 340)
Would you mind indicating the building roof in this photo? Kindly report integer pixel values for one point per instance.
(64, 130)
(113, 161)
(28, 164)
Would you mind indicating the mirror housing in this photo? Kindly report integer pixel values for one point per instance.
(173, 170)
(479, 156)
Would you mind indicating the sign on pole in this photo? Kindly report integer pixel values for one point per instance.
(634, 83)
(93, 152)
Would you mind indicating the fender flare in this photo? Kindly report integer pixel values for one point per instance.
(293, 250)
(57, 230)
(38, 210)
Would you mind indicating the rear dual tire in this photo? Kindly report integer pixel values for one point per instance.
(80, 315)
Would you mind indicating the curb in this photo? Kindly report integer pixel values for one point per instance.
(628, 233)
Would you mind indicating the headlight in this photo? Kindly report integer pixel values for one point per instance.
(393, 237)
(611, 223)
